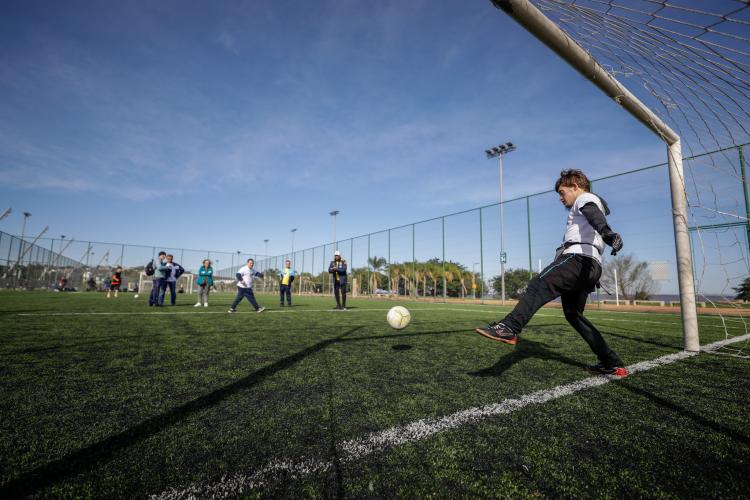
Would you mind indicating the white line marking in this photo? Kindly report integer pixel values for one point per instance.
(232, 485)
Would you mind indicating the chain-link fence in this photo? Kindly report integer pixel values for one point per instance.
(459, 255)
(88, 265)
(455, 255)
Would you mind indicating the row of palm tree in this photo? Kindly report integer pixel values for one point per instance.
(430, 278)
(416, 279)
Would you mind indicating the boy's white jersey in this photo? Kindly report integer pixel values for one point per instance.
(580, 237)
(247, 277)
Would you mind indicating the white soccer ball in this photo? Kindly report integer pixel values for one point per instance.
(135, 296)
(398, 317)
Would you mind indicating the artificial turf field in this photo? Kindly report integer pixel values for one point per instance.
(111, 399)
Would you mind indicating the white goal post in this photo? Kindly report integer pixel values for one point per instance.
(539, 25)
(186, 283)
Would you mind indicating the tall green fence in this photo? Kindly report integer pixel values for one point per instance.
(458, 254)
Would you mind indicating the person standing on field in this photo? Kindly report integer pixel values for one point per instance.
(573, 274)
(337, 268)
(115, 282)
(286, 278)
(205, 281)
(245, 276)
(174, 272)
(160, 273)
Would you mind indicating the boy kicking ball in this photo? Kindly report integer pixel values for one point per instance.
(573, 274)
(245, 276)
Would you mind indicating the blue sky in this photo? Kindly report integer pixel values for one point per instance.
(217, 125)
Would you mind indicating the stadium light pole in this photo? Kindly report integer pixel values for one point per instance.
(293, 231)
(26, 215)
(334, 214)
(499, 152)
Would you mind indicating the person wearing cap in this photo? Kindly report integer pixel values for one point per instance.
(338, 269)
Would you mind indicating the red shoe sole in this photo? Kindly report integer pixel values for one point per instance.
(621, 372)
(484, 334)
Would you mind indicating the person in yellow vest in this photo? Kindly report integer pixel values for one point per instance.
(286, 278)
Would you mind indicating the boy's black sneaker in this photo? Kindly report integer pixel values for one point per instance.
(499, 332)
(617, 371)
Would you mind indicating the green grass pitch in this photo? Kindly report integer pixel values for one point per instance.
(111, 399)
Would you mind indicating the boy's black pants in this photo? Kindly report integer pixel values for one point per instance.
(571, 277)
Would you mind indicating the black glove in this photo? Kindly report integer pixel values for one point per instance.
(613, 239)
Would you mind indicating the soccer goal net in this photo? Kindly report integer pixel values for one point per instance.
(682, 68)
(185, 284)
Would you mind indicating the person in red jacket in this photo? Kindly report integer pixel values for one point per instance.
(116, 281)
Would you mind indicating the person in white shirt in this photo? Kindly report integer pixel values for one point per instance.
(245, 276)
(573, 274)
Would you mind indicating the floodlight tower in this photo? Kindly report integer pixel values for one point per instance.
(334, 214)
(26, 215)
(266, 251)
(499, 152)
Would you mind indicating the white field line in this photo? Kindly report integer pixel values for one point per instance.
(302, 311)
(232, 485)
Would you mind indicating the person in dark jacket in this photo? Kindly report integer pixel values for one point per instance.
(337, 268)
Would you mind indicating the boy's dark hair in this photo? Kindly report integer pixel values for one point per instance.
(573, 177)
(170, 255)
(250, 260)
(162, 253)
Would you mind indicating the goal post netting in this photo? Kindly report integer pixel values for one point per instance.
(682, 68)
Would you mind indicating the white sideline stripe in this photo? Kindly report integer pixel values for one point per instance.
(349, 451)
(280, 311)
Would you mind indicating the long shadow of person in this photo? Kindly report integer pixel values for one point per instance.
(90, 456)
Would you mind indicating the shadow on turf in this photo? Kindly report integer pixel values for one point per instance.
(31, 350)
(523, 350)
(676, 345)
(85, 459)
(686, 412)
(401, 347)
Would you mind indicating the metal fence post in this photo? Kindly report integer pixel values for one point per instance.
(302, 272)
(414, 264)
(481, 257)
(528, 235)
(369, 289)
(443, 237)
(390, 285)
